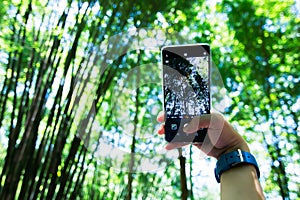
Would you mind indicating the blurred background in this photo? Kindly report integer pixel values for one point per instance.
(80, 90)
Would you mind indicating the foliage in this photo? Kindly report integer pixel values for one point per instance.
(79, 101)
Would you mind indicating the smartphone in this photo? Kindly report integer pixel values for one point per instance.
(186, 89)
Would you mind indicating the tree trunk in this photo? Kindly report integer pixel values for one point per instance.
(136, 120)
(183, 184)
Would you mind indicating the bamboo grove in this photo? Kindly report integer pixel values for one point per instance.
(80, 94)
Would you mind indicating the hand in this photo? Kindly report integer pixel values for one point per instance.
(221, 137)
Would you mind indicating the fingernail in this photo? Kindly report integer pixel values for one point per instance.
(167, 147)
(186, 127)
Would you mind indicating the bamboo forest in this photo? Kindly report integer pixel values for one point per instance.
(81, 89)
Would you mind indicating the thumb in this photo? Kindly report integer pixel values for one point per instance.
(198, 122)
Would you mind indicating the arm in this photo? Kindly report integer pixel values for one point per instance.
(240, 181)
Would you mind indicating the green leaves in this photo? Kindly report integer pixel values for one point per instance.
(263, 76)
(65, 86)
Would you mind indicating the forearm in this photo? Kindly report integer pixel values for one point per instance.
(241, 182)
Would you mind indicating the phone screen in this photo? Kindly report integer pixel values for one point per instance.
(186, 75)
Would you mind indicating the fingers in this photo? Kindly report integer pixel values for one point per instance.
(171, 146)
(161, 117)
(212, 121)
(197, 123)
(161, 130)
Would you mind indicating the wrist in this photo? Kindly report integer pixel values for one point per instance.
(231, 159)
(242, 146)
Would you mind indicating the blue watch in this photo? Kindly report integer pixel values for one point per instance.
(231, 159)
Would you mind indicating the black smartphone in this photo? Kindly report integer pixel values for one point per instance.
(186, 89)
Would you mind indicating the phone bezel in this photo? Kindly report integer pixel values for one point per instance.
(192, 50)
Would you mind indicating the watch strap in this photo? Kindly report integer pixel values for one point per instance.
(231, 159)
